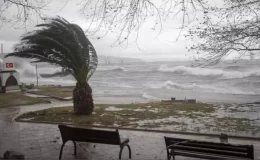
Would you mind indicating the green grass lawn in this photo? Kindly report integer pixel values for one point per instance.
(55, 91)
(199, 117)
(124, 114)
(17, 98)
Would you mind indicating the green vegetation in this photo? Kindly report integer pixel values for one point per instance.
(202, 118)
(61, 43)
(54, 91)
(17, 98)
(123, 115)
(236, 124)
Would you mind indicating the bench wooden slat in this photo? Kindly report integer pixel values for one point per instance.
(95, 140)
(230, 148)
(209, 150)
(207, 156)
(219, 147)
(82, 134)
(170, 139)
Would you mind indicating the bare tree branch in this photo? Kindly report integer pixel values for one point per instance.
(236, 30)
(21, 13)
(128, 16)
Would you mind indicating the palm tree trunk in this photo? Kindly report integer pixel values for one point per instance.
(82, 99)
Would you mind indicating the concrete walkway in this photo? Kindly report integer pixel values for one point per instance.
(42, 141)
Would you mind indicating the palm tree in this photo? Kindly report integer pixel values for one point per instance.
(64, 44)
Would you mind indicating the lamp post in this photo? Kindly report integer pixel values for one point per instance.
(37, 74)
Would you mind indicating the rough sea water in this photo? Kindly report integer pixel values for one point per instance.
(227, 82)
(228, 85)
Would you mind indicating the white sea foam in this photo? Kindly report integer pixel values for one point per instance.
(197, 71)
(111, 68)
(138, 110)
(155, 110)
(112, 108)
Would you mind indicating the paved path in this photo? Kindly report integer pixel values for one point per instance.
(42, 141)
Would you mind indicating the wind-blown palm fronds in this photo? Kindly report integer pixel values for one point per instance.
(64, 44)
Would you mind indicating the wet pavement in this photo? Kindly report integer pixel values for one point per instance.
(42, 141)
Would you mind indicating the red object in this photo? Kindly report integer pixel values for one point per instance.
(9, 65)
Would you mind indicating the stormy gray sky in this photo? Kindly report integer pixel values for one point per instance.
(164, 47)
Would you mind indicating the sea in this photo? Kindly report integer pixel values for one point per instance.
(226, 82)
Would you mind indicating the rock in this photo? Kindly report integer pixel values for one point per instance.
(13, 155)
(173, 99)
(191, 101)
(223, 138)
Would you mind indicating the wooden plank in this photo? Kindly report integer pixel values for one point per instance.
(212, 148)
(207, 150)
(95, 140)
(170, 140)
(202, 145)
(206, 156)
(89, 135)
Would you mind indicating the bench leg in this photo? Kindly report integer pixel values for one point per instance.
(169, 157)
(121, 149)
(170, 154)
(129, 149)
(61, 150)
(75, 148)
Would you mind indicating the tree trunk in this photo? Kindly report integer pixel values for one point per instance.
(82, 99)
(3, 89)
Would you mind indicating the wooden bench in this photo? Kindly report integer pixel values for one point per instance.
(207, 150)
(74, 134)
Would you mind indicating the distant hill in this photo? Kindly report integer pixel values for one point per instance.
(105, 59)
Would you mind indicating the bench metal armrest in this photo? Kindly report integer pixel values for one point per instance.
(175, 144)
(124, 141)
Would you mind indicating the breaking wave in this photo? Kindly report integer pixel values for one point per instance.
(64, 81)
(50, 70)
(27, 70)
(204, 88)
(197, 71)
(150, 97)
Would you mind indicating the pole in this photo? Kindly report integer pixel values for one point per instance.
(37, 74)
(2, 48)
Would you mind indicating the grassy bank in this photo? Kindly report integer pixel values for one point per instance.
(54, 91)
(118, 114)
(17, 98)
(201, 118)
